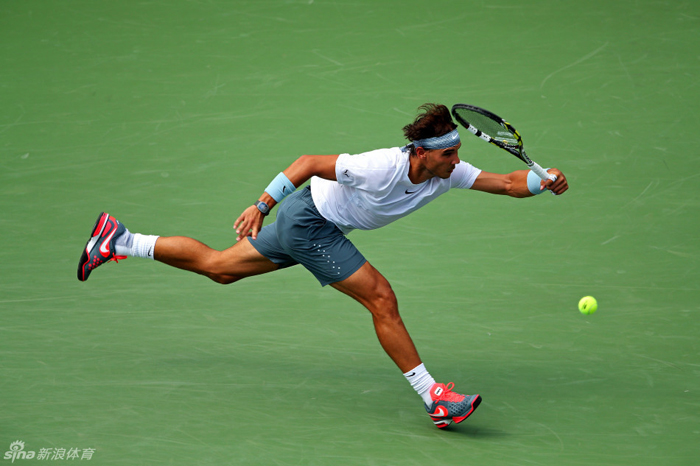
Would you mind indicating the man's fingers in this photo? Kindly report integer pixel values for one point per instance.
(238, 221)
(560, 187)
(242, 232)
(239, 225)
(248, 224)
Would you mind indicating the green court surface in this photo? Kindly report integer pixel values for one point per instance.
(174, 115)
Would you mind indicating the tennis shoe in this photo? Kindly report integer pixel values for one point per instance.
(448, 406)
(100, 247)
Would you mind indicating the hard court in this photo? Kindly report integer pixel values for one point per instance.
(174, 116)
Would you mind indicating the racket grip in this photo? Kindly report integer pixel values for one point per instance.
(541, 172)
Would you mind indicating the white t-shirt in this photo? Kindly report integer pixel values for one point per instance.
(373, 189)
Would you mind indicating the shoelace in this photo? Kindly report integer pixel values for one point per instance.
(449, 395)
(117, 258)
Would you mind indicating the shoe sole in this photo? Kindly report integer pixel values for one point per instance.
(97, 230)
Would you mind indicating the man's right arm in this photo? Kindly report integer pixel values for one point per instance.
(250, 222)
(306, 166)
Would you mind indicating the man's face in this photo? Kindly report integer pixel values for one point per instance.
(442, 162)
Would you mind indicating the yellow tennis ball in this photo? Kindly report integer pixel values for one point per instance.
(588, 305)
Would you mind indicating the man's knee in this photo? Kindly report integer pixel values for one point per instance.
(371, 289)
(383, 303)
(222, 278)
(235, 263)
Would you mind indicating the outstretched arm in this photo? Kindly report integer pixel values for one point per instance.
(515, 184)
(299, 172)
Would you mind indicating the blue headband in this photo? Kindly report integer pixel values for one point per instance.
(450, 139)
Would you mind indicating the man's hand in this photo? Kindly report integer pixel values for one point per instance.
(249, 223)
(557, 187)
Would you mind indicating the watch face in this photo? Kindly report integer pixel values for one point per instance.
(262, 207)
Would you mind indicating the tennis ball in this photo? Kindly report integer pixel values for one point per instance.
(588, 305)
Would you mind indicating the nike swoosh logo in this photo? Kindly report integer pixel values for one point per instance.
(410, 192)
(441, 411)
(411, 374)
(150, 251)
(104, 247)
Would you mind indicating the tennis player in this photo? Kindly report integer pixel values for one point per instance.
(347, 192)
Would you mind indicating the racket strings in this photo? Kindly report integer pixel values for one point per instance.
(492, 128)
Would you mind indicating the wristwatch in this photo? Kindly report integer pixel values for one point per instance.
(262, 207)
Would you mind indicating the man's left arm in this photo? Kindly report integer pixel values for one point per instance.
(515, 184)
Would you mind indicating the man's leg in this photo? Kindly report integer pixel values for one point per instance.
(110, 240)
(372, 290)
(239, 261)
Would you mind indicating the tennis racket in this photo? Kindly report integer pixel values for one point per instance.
(494, 129)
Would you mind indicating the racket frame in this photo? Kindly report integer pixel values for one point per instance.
(515, 149)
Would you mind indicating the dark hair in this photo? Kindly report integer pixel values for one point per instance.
(434, 120)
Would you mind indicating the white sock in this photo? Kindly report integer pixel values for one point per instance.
(421, 381)
(135, 245)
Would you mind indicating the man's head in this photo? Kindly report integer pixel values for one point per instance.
(434, 143)
(433, 128)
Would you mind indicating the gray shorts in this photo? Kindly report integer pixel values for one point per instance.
(301, 235)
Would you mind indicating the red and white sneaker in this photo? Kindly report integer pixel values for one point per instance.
(100, 247)
(448, 406)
